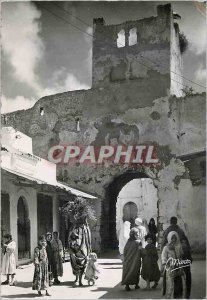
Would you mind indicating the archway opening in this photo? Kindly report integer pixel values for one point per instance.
(133, 194)
(23, 229)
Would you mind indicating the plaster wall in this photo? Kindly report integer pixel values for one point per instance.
(192, 211)
(178, 123)
(107, 118)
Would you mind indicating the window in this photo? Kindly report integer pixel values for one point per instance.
(41, 111)
(133, 36)
(121, 39)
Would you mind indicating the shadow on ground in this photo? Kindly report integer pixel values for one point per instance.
(118, 292)
(28, 295)
(23, 284)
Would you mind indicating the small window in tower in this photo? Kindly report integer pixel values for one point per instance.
(133, 36)
(41, 111)
(121, 39)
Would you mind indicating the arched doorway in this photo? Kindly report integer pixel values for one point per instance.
(23, 229)
(138, 198)
(119, 191)
(130, 211)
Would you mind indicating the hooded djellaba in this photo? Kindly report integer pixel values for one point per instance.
(174, 284)
(132, 260)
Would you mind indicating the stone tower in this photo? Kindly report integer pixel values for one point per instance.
(146, 50)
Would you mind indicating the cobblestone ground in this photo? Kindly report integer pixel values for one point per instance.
(107, 286)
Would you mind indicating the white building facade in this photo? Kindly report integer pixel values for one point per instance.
(30, 194)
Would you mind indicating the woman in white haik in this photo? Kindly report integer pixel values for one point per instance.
(174, 280)
(142, 231)
(123, 236)
(9, 261)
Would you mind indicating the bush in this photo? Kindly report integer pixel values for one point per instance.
(183, 42)
(187, 91)
(78, 212)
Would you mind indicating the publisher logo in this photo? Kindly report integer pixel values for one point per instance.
(141, 154)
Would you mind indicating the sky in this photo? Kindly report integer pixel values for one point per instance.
(43, 54)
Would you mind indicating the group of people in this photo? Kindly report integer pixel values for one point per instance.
(140, 257)
(48, 258)
(144, 229)
(140, 253)
(48, 261)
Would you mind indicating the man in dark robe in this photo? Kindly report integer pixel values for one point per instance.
(132, 260)
(173, 227)
(50, 256)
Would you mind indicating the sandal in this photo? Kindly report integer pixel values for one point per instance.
(154, 286)
(127, 288)
(5, 282)
(47, 294)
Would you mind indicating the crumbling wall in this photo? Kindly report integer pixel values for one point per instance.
(188, 116)
(119, 115)
(149, 57)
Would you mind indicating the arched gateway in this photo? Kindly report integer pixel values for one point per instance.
(114, 207)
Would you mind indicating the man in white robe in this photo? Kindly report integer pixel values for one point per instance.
(123, 236)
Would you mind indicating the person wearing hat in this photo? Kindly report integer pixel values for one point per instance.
(9, 261)
(142, 231)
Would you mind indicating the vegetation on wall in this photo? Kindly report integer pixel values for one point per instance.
(183, 42)
(187, 91)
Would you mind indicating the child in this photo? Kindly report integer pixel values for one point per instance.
(41, 275)
(92, 269)
(150, 271)
(187, 256)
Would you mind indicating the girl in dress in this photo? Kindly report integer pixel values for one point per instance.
(9, 262)
(153, 229)
(92, 269)
(41, 275)
(150, 269)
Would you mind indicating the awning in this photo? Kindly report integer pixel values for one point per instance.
(55, 184)
(74, 191)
